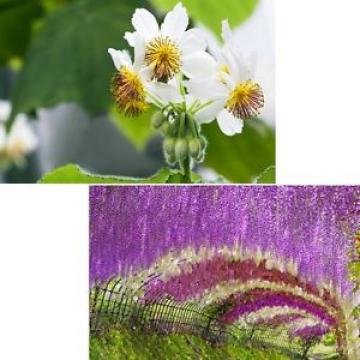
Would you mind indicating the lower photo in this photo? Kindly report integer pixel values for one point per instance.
(224, 272)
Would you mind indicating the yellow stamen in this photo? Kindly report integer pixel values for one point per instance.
(129, 92)
(246, 100)
(163, 57)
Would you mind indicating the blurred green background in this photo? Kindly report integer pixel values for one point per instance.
(54, 67)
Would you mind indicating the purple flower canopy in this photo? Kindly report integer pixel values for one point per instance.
(132, 226)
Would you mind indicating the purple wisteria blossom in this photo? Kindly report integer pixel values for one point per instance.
(133, 226)
(310, 332)
(277, 299)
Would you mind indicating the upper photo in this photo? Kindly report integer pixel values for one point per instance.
(137, 91)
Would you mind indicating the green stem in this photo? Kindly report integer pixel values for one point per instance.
(186, 168)
(203, 106)
(157, 101)
(193, 126)
(185, 165)
(181, 131)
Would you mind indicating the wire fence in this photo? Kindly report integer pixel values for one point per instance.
(115, 305)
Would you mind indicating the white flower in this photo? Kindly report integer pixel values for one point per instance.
(21, 139)
(132, 87)
(5, 109)
(170, 49)
(230, 94)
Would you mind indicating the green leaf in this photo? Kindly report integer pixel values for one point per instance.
(177, 177)
(267, 177)
(211, 12)
(354, 268)
(138, 129)
(68, 60)
(356, 312)
(73, 174)
(240, 158)
(16, 18)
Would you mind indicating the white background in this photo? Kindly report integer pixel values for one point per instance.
(318, 91)
(44, 229)
(43, 272)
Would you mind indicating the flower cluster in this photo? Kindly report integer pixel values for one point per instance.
(277, 320)
(303, 224)
(16, 144)
(257, 299)
(310, 332)
(245, 253)
(173, 71)
(216, 278)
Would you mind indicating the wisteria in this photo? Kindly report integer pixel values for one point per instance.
(309, 332)
(132, 227)
(275, 256)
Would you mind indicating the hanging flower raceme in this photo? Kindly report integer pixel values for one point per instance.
(20, 140)
(231, 93)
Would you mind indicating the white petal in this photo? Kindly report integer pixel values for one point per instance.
(231, 61)
(164, 92)
(212, 43)
(139, 51)
(210, 112)
(199, 65)
(229, 124)
(145, 24)
(246, 66)
(206, 89)
(229, 80)
(175, 22)
(2, 137)
(192, 41)
(130, 37)
(226, 31)
(22, 131)
(189, 100)
(120, 58)
(145, 74)
(5, 110)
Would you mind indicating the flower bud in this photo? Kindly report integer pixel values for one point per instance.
(181, 149)
(157, 119)
(170, 159)
(203, 142)
(194, 147)
(201, 157)
(165, 128)
(169, 146)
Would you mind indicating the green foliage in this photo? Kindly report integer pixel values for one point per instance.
(72, 174)
(241, 158)
(16, 18)
(267, 177)
(329, 339)
(68, 60)
(356, 311)
(211, 12)
(138, 130)
(123, 344)
(52, 5)
(354, 269)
